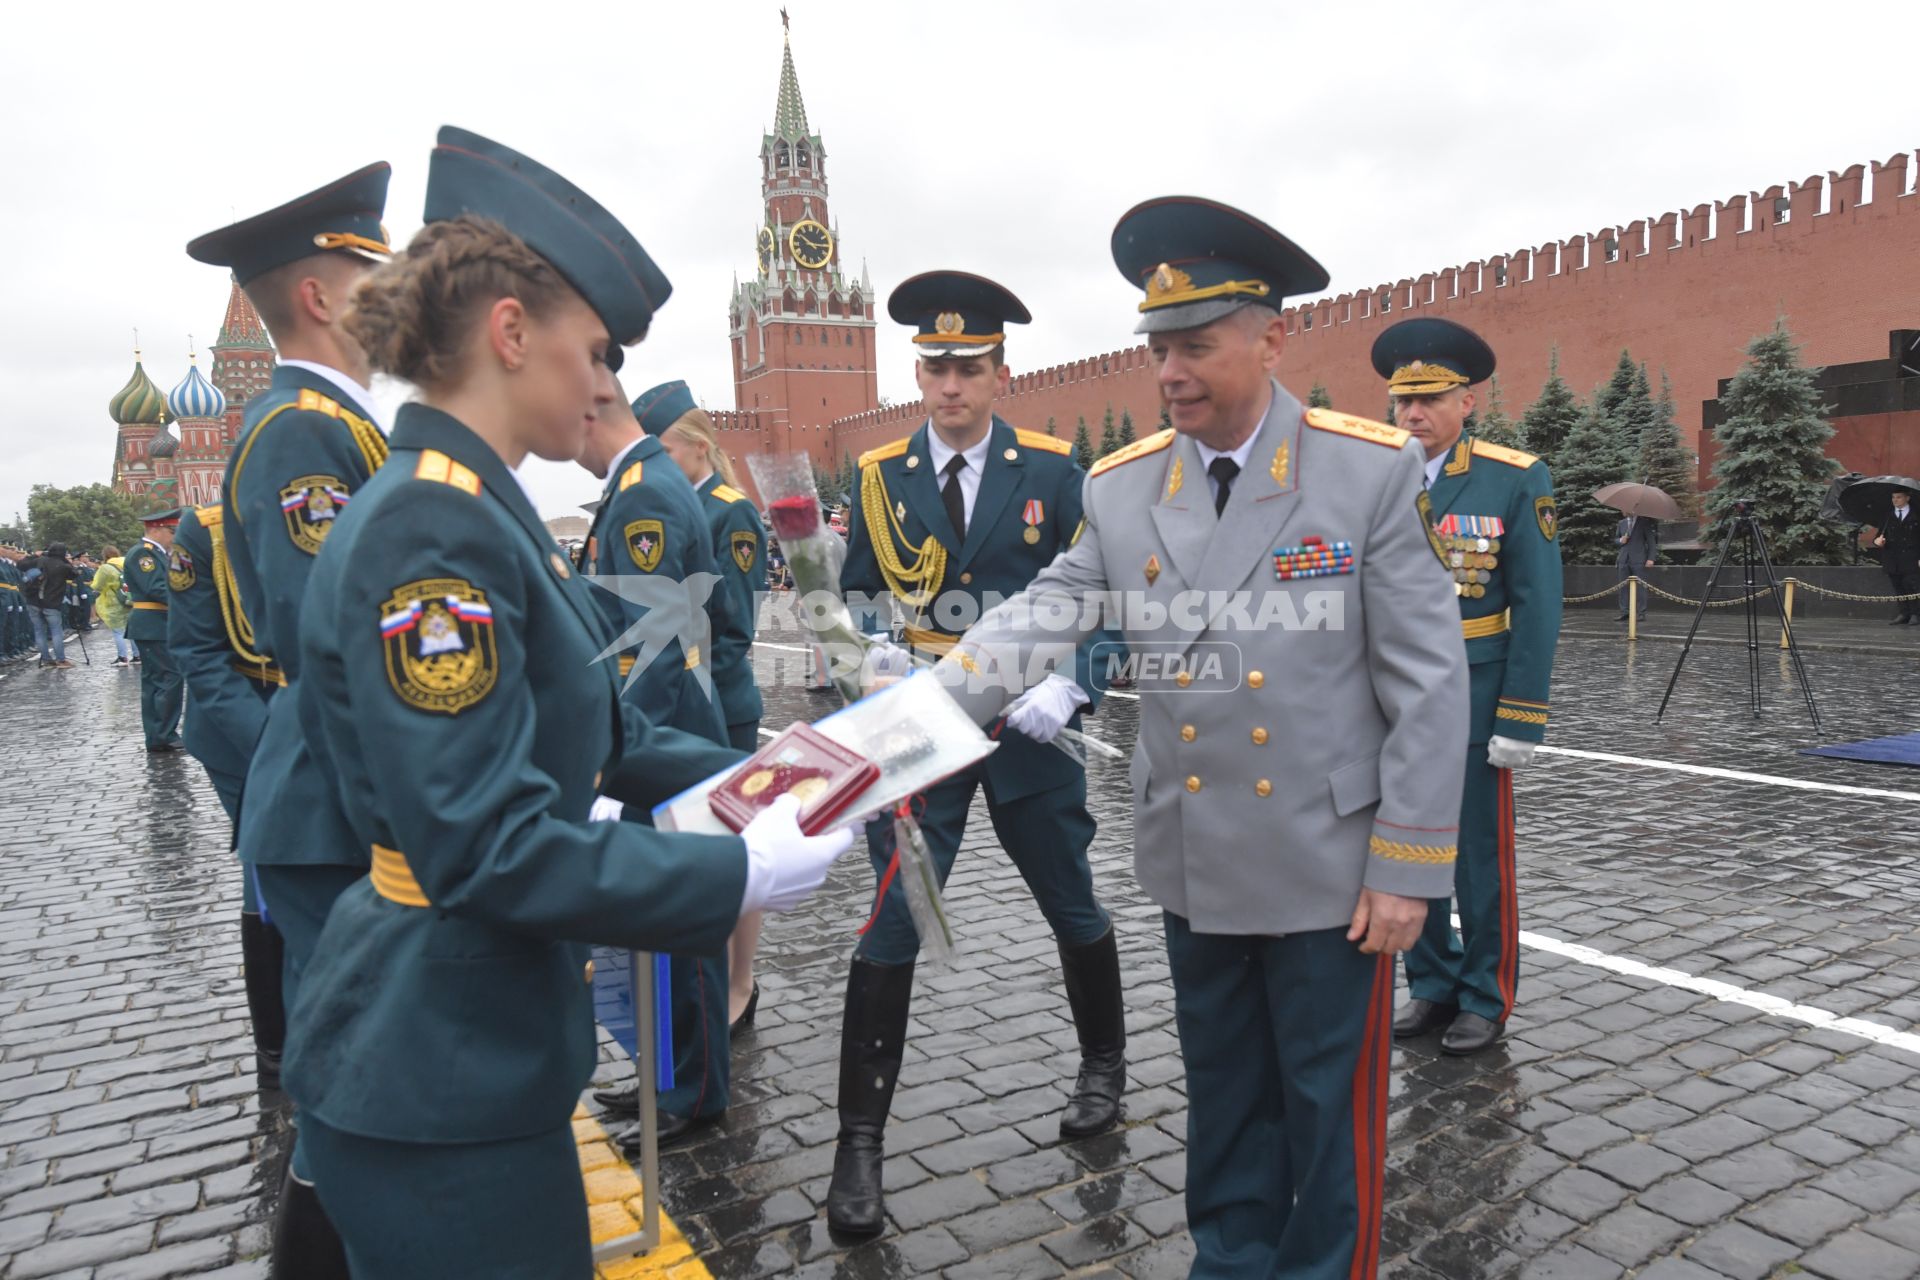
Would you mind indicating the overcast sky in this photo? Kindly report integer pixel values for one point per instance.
(1002, 138)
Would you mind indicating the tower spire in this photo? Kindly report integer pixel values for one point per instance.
(789, 112)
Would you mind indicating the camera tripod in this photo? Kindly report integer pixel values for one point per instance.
(1746, 530)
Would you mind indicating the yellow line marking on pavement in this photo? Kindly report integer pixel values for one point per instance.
(1708, 771)
(613, 1210)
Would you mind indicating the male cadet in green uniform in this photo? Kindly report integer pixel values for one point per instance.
(1493, 516)
(305, 445)
(162, 693)
(649, 533)
(207, 631)
(740, 558)
(970, 508)
(1297, 776)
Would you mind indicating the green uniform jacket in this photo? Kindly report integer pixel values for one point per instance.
(229, 707)
(1027, 477)
(146, 578)
(740, 551)
(649, 525)
(1504, 498)
(463, 724)
(301, 455)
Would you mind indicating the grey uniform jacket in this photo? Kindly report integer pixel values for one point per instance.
(1313, 740)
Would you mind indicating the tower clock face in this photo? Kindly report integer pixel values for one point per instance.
(765, 239)
(812, 244)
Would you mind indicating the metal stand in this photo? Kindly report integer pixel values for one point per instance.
(646, 1047)
(1747, 530)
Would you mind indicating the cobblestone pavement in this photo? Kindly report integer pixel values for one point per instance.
(1625, 1127)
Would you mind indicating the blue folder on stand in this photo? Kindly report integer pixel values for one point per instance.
(613, 1007)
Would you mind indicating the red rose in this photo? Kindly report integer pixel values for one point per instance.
(795, 518)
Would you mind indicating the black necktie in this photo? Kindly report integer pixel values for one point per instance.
(1223, 470)
(955, 501)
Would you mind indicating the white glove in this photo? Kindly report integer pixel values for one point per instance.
(1509, 753)
(784, 866)
(1043, 711)
(605, 809)
(885, 662)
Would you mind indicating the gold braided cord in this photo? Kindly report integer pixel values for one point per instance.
(373, 445)
(1401, 851)
(916, 584)
(239, 628)
(1523, 717)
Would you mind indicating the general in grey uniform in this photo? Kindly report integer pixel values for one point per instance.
(1303, 709)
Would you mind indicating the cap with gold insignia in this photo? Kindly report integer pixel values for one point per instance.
(1427, 355)
(958, 315)
(660, 407)
(469, 174)
(164, 516)
(343, 216)
(1199, 260)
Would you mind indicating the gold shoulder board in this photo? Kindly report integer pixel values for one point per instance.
(727, 493)
(1041, 440)
(314, 402)
(438, 467)
(209, 516)
(1345, 424)
(1138, 449)
(885, 451)
(632, 476)
(1500, 453)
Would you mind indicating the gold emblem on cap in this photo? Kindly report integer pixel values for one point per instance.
(1168, 278)
(949, 323)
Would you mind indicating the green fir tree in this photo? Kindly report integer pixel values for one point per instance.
(1083, 445)
(849, 475)
(1166, 419)
(1772, 451)
(1614, 393)
(1109, 438)
(1318, 398)
(1665, 463)
(1494, 426)
(1589, 458)
(1633, 420)
(1545, 425)
(1126, 427)
(1053, 428)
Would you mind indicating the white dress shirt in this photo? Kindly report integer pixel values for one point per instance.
(1239, 457)
(940, 452)
(360, 399)
(1434, 465)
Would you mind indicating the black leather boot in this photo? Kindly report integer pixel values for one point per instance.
(264, 955)
(1092, 974)
(305, 1245)
(873, 1034)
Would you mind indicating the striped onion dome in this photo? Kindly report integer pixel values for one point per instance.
(195, 397)
(164, 445)
(139, 402)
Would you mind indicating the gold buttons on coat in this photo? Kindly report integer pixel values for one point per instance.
(1188, 733)
(589, 973)
(1184, 679)
(1263, 788)
(1255, 679)
(559, 564)
(1011, 454)
(1193, 783)
(965, 578)
(596, 781)
(1259, 737)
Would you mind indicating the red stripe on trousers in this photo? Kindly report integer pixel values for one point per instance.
(1370, 1121)
(1508, 975)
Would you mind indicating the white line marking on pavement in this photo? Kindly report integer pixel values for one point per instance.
(1724, 991)
(1706, 771)
(789, 648)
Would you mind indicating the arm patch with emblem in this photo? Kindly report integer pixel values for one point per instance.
(745, 545)
(309, 506)
(1549, 517)
(646, 542)
(1424, 505)
(438, 636)
(179, 569)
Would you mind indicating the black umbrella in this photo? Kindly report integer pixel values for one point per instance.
(1870, 501)
(1830, 505)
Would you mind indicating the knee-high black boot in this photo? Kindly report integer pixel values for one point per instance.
(263, 954)
(1092, 974)
(305, 1245)
(873, 1035)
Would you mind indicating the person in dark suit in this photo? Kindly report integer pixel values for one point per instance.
(1639, 540)
(1898, 541)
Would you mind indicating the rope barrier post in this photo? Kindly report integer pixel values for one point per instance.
(1789, 613)
(1633, 607)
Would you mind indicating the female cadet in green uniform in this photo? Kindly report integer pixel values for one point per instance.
(740, 551)
(443, 1033)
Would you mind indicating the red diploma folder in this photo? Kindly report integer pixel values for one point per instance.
(802, 762)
